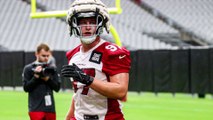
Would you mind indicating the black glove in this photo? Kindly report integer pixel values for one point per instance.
(76, 73)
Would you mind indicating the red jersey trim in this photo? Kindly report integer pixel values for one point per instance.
(70, 53)
(114, 111)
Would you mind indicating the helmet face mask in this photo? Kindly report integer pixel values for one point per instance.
(88, 36)
(87, 9)
(95, 27)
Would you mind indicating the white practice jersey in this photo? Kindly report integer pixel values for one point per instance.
(103, 60)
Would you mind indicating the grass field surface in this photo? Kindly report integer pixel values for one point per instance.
(144, 106)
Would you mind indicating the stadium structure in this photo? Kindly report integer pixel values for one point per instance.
(170, 40)
(162, 24)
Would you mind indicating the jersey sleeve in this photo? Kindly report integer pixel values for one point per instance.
(117, 61)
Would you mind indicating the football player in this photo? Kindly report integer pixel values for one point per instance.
(99, 70)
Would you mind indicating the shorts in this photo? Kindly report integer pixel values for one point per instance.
(42, 116)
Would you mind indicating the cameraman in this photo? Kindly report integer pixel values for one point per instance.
(39, 80)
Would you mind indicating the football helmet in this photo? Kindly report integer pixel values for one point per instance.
(87, 9)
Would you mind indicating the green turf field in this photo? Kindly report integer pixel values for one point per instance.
(146, 106)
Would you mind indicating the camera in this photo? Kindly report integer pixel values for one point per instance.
(47, 70)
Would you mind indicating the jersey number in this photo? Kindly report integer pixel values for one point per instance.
(89, 71)
(111, 48)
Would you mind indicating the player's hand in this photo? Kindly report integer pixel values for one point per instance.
(76, 73)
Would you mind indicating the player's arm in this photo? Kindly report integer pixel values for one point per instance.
(117, 87)
(70, 113)
(117, 65)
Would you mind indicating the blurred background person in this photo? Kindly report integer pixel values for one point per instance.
(39, 80)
